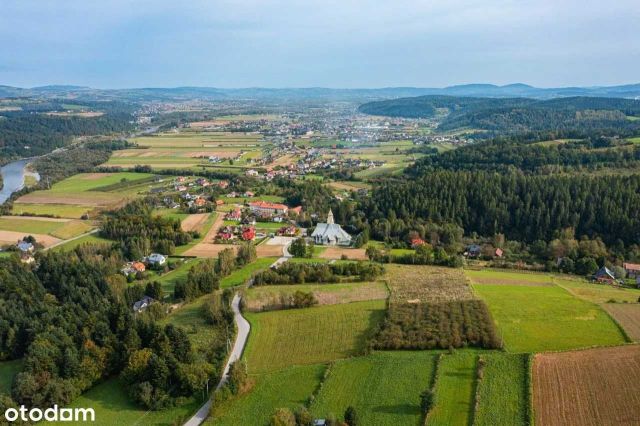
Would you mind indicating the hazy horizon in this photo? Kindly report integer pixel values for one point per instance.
(347, 44)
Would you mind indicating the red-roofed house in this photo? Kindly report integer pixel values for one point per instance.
(264, 208)
(234, 215)
(417, 242)
(249, 233)
(499, 252)
(296, 210)
(633, 269)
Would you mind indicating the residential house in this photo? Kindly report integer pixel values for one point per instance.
(223, 184)
(499, 252)
(288, 231)
(156, 259)
(249, 233)
(143, 304)
(632, 269)
(416, 242)
(25, 247)
(234, 215)
(473, 250)
(604, 275)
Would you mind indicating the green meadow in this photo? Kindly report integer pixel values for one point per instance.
(547, 318)
(383, 387)
(281, 339)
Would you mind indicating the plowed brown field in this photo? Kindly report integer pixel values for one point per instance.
(592, 387)
(628, 316)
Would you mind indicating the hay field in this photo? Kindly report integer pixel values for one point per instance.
(628, 316)
(427, 284)
(587, 388)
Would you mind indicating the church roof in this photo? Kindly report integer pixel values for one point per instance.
(330, 230)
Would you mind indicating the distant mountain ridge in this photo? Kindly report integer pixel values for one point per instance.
(631, 91)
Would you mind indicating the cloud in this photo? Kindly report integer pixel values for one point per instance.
(314, 42)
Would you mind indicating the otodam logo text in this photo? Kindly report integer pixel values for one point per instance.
(53, 414)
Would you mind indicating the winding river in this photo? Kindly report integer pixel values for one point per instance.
(13, 178)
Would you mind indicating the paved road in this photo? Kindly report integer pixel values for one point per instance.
(236, 353)
(93, 231)
(285, 256)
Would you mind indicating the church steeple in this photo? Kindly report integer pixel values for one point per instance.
(330, 217)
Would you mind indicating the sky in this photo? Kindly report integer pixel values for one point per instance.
(318, 43)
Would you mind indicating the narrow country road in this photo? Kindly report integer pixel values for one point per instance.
(93, 231)
(236, 353)
(285, 256)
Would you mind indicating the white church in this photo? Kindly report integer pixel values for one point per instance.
(330, 233)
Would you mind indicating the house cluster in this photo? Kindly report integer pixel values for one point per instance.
(231, 233)
(246, 194)
(151, 261)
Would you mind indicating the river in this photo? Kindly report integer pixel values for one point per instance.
(13, 178)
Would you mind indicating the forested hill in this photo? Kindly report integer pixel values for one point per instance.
(515, 115)
(39, 127)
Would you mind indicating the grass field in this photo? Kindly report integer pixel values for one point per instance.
(488, 276)
(206, 227)
(88, 239)
(502, 392)
(268, 297)
(599, 293)
(58, 210)
(190, 316)
(454, 390)
(282, 339)
(8, 369)
(540, 318)
(170, 279)
(78, 194)
(383, 387)
(289, 388)
(242, 275)
(590, 387)
(113, 406)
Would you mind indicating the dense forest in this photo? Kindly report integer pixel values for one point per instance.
(139, 231)
(522, 207)
(502, 154)
(32, 132)
(515, 115)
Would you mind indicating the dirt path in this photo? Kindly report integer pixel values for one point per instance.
(207, 247)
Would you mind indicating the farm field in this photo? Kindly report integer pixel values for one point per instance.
(207, 232)
(62, 229)
(628, 316)
(288, 388)
(599, 293)
(454, 390)
(282, 339)
(242, 275)
(502, 393)
(338, 252)
(432, 284)
(11, 237)
(194, 222)
(259, 298)
(487, 276)
(383, 387)
(80, 194)
(189, 148)
(587, 388)
(540, 318)
(8, 369)
(113, 407)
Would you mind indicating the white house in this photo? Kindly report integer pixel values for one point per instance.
(156, 259)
